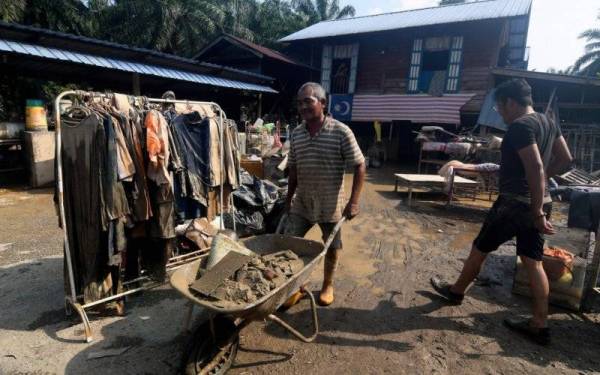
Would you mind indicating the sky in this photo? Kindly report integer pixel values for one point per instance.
(553, 31)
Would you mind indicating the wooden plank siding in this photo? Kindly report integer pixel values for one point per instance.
(480, 54)
(384, 57)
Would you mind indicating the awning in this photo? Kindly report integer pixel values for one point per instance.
(416, 108)
(488, 116)
(126, 66)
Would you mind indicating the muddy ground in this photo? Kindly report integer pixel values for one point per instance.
(385, 318)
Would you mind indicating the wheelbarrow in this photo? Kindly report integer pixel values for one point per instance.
(213, 346)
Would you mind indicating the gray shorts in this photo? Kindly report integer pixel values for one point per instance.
(297, 226)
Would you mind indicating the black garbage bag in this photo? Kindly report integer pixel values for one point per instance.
(256, 194)
(246, 178)
(273, 218)
(245, 197)
(247, 224)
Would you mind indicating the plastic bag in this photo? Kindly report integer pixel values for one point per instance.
(247, 224)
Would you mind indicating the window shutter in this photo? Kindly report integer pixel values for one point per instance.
(453, 76)
(353, 68)
(415, 66)
(326, 68)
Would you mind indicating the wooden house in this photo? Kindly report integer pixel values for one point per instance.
(410, 68)
(287, 72)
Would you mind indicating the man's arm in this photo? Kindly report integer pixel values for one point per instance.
(534, 172)
(561, 157)
(292, 184)
(358, 181)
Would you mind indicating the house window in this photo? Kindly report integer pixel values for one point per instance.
(338, 68)
(435, 65)
(415, 66)
(340, 76)
(517, 41)
(454, 63)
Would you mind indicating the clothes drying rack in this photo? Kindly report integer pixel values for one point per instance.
(72, 300)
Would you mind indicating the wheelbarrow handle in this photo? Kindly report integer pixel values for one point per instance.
(333, 233)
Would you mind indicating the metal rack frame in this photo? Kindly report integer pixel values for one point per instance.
(72, 301)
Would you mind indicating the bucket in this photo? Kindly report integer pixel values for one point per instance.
(11, 130)
(35, 115)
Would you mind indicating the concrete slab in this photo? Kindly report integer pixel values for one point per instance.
(39, 153)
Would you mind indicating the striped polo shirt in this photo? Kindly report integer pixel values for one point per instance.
(320, 163)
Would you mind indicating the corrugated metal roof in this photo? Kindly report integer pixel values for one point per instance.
(31, 30)
(265, 51)
(480, 10)
(553, 77)
(127, 66)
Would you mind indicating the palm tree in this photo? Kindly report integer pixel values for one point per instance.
(275, 19)
(70, 16)
(172, 26)
(322, 10)
(239, 16)
(12, 10)
(589, 63)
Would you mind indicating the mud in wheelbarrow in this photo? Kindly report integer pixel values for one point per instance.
(214, 344)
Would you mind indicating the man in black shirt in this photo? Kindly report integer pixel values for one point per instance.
(533, 150)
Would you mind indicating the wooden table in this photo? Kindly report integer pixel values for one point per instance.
(430, 181)
(490, 179)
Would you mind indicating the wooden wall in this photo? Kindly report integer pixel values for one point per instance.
(480, 53)
(384, 58)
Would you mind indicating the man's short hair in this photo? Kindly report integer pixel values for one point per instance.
(515, 89)
(317, 90)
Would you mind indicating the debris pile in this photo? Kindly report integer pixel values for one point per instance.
(258, 277)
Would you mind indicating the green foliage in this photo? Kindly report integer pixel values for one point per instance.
(172, 26)
(14, 91)
(589, 63)
(322, 10)
(275, 19)
(179, 27)
(70, 16)
(12, 11)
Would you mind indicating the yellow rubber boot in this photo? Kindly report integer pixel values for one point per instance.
(294, 299)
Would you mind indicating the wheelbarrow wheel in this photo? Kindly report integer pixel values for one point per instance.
(208, 355)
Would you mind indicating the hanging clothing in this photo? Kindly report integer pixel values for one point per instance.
(125, 164)
(176, 162)
(157, 145)
(162, 224)
(124, 169)
(216, 175)
(193, 134)
(84, 159)
(141, 208)
(115, 200)
(231, 154)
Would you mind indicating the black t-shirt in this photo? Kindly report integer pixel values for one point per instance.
(530, 129)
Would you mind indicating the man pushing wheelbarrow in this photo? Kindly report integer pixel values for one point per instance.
(321, 148)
